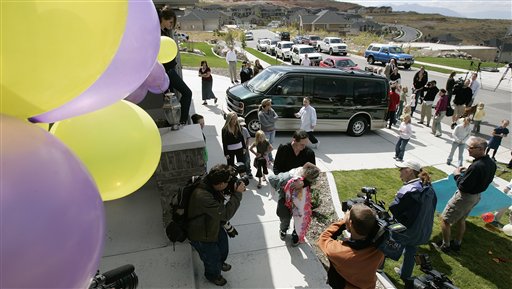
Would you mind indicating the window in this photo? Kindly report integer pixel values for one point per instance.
(329, 91)
(375, 48)
(290, 86)
(385, 50)
(369, 92)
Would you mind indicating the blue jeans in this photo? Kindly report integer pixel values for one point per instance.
(400, 148)
(213, 254)
(461, 147)
(270, 135)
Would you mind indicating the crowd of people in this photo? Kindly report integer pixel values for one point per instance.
(349, 243)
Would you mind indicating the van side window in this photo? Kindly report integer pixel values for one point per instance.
(289, 86)
(369, 92)
(385, 50)
(376, 48)
(329, 90)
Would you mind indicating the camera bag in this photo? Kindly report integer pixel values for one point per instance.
(176, 230)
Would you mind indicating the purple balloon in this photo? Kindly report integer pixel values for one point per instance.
(53, 221)
(156, 76)
(129, 68)
(138, 95)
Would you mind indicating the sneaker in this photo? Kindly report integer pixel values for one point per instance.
(258, 186)
(205, 103)
(438, 135)
(454, 246)
(449, 163)
(439, 246)
(295, 239)
(399, 160)
(226, 267)
(282, 235)
(453, 125)
(219, 281)
(420, 122)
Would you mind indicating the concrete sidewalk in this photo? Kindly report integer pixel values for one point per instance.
(259, 258)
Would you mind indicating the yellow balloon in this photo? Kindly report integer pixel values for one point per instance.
(168, 49)
(54, 50)
(120, 145)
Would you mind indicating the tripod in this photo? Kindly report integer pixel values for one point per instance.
(478, 71)
(509, 67)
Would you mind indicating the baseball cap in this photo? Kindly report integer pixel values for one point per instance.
(409, 164)
(241, 121)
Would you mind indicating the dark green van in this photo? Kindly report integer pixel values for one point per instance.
(354, 102)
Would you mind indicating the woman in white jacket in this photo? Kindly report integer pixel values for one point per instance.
(460, 135)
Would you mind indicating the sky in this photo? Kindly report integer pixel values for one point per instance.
(483, 9)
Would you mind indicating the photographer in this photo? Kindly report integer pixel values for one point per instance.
(414, 206)
(428, 100)
(353, 259)
(207, 214)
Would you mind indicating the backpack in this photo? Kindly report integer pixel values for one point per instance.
(176, 230)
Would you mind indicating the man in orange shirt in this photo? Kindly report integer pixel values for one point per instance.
(353, 259)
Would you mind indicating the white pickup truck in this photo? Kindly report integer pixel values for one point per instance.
(332, 45)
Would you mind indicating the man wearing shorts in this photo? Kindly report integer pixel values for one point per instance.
(471, 182)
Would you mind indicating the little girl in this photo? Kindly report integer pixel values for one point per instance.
(405, 135)
(263, 148)
(478, 117)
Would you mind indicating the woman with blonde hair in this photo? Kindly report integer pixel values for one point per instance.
(233, 142)
(263, 148)
(267, 118)
(405, 131)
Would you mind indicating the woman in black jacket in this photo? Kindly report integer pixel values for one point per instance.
(233, 142)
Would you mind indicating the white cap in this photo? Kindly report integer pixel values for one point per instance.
(409, 164)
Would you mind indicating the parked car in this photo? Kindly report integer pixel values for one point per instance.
(384, 53)
(310, 40)
(297, 39)
(262, 44)
(354, 102)
(249, 35)
(181, 36)
(333, 45)
(299, 51)
(285, 36)
(271, 48)
(344, 63)
(283, 49)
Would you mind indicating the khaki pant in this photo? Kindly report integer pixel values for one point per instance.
(426, 110)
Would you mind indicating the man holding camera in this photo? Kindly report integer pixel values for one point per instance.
(353, 259)
(471, 182)
(208, 213)
(414, 206)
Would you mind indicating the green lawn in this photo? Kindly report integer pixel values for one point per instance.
(432, 68)
(473, 267)
(457, 62)
(263, 56)
(192, 60)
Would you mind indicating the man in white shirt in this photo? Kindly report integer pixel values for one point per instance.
(307, 115)
(231, 60)
(475, 87)
(306, 61)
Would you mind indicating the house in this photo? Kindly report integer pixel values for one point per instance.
(329, 21)
(203, 20)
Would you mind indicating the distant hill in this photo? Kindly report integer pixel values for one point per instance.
(471, 31)
(424, 9)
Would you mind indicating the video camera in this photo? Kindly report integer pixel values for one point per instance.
(384, 219)
(432, 279)
(123, 277)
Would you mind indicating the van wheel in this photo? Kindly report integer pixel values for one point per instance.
(371, 60)
(358, 126)
(253, 123)
(407, 66)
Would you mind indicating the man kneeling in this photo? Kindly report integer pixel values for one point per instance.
(353, 259)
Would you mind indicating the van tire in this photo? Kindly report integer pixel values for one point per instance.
(253, 123)
(357, 126)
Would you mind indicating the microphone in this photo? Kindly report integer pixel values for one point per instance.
(118, 273)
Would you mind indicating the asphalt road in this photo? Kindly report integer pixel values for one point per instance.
(498, 104)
